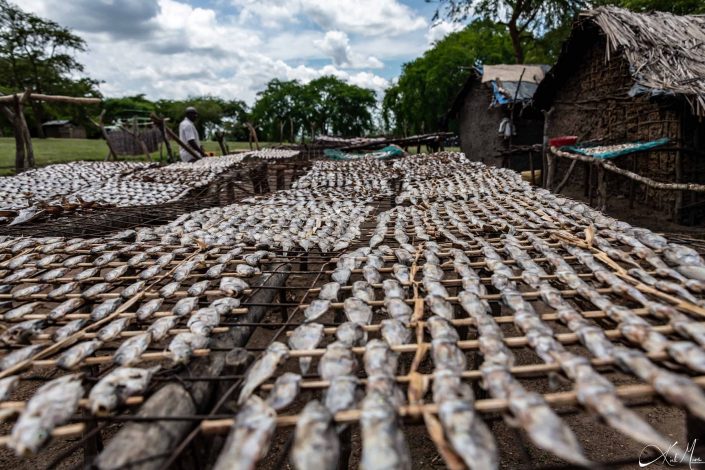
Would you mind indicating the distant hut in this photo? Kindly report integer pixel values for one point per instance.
(629, 77)
(63, 129)
(495, 125)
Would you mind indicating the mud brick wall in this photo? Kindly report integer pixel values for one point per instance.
(478, 124)
(593, 104)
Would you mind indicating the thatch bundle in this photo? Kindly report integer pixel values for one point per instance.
(666, 52)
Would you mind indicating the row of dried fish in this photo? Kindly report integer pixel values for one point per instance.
(272, 154)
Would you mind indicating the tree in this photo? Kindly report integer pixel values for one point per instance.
(214, 113)
(522, 18)
(38, 54)
(420, 99)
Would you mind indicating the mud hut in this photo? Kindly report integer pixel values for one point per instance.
(629, 77)
(63, 129)
(494, 124)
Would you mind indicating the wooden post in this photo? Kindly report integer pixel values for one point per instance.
(601, 189)
(632, 184)
(161, 125)
(678, 205)
(531, 167)
(112, 154)
(29, 150)
(19, 138)
(546, 154)
(253, 135)
(220, 138)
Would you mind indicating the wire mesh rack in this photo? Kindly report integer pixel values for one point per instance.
(473, 321)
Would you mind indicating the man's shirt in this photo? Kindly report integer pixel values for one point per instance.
(188, 131)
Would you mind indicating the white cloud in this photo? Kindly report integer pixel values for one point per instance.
(232, 48)
(336, 45)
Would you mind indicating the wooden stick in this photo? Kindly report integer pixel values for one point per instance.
(52, 99)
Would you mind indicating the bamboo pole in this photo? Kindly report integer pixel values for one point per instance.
(52, 99)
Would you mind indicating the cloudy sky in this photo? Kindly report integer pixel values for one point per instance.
(232, 48)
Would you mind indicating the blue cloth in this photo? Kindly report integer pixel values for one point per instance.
(638, 146)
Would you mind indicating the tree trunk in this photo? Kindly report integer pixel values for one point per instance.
(281, 131)
(516, 42)
(291, 131)
(40, 117)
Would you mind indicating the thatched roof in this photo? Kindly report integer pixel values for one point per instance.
(666, 52)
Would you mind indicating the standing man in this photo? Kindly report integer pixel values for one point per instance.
(189, 135)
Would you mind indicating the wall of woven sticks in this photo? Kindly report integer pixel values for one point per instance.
(395, 314)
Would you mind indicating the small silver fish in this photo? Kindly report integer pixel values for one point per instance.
(19, 355)
(203, 321)
(383, 443)
(401, 273)
(105, 259)
(115, 388)
(131, 349)
(73, 356)
(440, 306)
(95, 290)
(250, 436)
(351, 334)
(21, 333)
(380, 359)
(86, 274)
(19, 312)
(184, 306)
(169, 290)
(113, 329)
(394, 332)
(316, 309)
(53, 404)
(246, 270)
(7, 386)
(263, 369)
(150, 272)
(392, 289)
(357, 311)
(468, 434)
(165, 259)
(107, 307)
(399, 309)
(74, 261)
(183, 345)
(306, 336)
(26, 293)
(316, 443)
(337, 360)
(61, 291)
(68, 329)
(50, 276)
(233, 286)
(137, 259)
(198, 288)
(132, 289)
(329, 291)
(341, 275)
(47, 260)
(161, 327)
(285, 390)
(225, 305)
(371, 275)
(215, 271)
(115, 273)
(363, 291)
(148, 309)
(342, 393)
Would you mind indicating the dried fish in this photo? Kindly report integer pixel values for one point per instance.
(131, 349)
(341, 393)
(336, 361)
(19, 312)
(161, 327)
(440, 306)
(306, 336)
(112, 330)
(116, 387)
(198, 288)
(285, 390)
(351, 334)
(203, 321)
(7, 386)
(316, 442)
(72, 357)
(399, 310)
(329, 291)
(184, 306)
(183, 345)
(263, 369)
(26, 293)
(233, 285)
(68, 329)
(341, 275)
(316, 309)
(250, 436)
(168, 290)
(363, 291)
(357, 311)
(394, 332)
(133, 289)
(148, 309)
(51, 405)
(19, 355)
(226, 305)
(62, 291)
(383, 443)
(470, 437)
(21, 333)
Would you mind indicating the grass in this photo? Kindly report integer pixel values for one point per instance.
(48, 151)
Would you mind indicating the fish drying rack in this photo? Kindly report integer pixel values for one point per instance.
(182, 419)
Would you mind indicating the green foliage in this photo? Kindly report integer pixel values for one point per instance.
(420, 99)
(326, 105)
(39, 54)
(213, 113)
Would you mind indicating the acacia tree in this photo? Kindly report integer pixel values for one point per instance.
(38, 54)
(522, 18)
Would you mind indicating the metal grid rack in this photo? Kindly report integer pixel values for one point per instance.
(519, 311)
